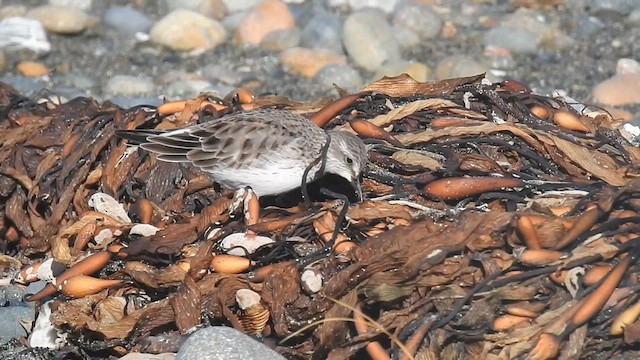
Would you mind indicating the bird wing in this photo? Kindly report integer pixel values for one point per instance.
(232, 141)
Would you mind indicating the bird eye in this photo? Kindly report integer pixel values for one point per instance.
(349, 161)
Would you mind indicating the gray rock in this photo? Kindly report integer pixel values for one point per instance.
(13, 312)
(240, 5)
(516, 40)
(368, 39)
(341, 75)
(129, 85)
(281, 39)
(323, 31)
(127, 20)
(182, 4)
(611, 7)
(187, 88)
(78, 4)
(127, 102)
(139, 356)
(23, 84)
(385, 5)
(634, 17)
(224, 343)
(406, 37)
(419, 18)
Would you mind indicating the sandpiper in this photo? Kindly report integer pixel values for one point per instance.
(267, 150)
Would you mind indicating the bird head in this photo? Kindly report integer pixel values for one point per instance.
(346, 157)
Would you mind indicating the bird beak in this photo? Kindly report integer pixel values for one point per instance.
(358, 188)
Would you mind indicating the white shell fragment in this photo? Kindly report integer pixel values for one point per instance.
(44, 333)
(143, 230)
(311, 280)
(105, 204)
(249, 242)
(247, 298)
(24, 33)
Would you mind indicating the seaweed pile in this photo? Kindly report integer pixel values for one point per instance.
(496, 224)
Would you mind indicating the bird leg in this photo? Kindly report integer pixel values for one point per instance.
(248, 200)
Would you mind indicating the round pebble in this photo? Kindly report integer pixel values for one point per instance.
(323, 31)
(307, 62)
(224, 343)
(621, 89)
(385, 5)
(419, 18)
(368, 39)
(240, 5)
(187, 30)
(32, 68)
(458, 66)
(281, 39)
(127, 20)
(405, 37)
(417, 70)
(78, 4)
(60, 20)
(516, 40)
(341, 75)
(268, 16)
(129, 85)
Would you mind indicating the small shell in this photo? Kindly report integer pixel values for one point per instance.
(247, 298)
(249, 242)
(143, 230)
(311, 280)
(106, 204)
(83, 285)
(254, 315)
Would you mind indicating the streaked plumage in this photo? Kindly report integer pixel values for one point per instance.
(267, 150)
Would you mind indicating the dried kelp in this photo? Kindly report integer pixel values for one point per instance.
(497, 224)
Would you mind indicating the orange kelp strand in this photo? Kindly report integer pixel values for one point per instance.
(230, 264)
(82, 285)
(539, 257)
(582, 224)
(324, 115)
(462, 187)
(508, 321)
(593, 302)
(374, 349)
(370, 130)
(89, 265)
(528, 233)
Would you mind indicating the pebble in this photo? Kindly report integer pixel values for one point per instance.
(239, 5)
(221, 73)
(78, 4)
(32, 68)
(281, 39)
(368, 39)
(405, 37)
(139, 356)
(187, 88)
(214, 9)
(129, 85)
(187, 30)
(60, 19)
(127, 20)
(385, 5)
(13, 11)
(14, 310)
(621, 89)
(459, 66)
(23, 84)
(519, 41)
(634, 17)
(307, 62)
(419, 18)
(417, 70)
(126, 102)
(627, 66)
(268, 16)
(224, 343)
(23, 33)
(342, 75)
(323, 30)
